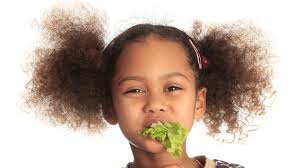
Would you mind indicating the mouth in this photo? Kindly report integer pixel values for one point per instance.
(152, 123)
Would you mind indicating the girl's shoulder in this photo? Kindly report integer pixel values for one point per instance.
(216, 163)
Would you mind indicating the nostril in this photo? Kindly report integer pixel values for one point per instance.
(154, 107)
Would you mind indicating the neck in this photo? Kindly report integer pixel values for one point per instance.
(145, 159)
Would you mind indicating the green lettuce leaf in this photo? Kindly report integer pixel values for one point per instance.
(171, 135)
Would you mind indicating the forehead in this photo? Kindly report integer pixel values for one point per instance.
(151, 58)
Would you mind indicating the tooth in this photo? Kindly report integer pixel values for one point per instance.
(153, 124)
(156, 123)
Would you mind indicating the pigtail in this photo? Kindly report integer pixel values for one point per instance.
(238, 78)
(66, 81)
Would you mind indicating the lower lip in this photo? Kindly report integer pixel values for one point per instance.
(152, 140)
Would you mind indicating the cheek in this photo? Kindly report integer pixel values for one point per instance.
(129, 117)
(126, 109)
(186, 112)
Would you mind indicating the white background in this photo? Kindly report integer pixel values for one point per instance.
(27, 142)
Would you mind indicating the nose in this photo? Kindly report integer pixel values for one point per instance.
(155, 103)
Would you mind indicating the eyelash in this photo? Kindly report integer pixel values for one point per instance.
(132, 91)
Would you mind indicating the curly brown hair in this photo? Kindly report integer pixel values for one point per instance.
(72, 69)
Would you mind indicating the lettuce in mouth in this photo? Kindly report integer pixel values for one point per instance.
(170, 135)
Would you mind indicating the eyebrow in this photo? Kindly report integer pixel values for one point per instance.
(165, 76)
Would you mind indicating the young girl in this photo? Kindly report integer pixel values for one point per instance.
(147, 74)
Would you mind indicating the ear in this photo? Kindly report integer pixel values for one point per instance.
(110, 114)
(200, 104)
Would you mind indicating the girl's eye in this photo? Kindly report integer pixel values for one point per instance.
(169, 89)
(173, 88)
(134, 91)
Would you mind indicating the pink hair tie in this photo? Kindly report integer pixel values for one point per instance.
(202, 60)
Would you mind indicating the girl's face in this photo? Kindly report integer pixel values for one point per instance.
(154, 82)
